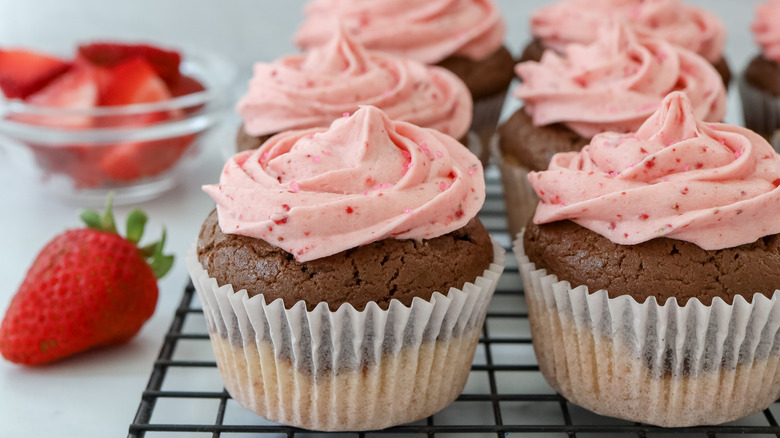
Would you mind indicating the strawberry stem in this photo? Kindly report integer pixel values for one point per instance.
(107, 220)
(160, 262)
(104, 223)
(136, 222)
(91, 218)
(148, 251)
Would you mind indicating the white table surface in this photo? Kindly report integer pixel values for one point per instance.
(96, 394)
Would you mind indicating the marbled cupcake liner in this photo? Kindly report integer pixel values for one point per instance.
(761, 111)
(667, 365)
(520, 199)
(345, 369)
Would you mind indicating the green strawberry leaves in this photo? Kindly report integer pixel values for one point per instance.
(104, 223)
(136, 222)
(160, 262)
(91, 218)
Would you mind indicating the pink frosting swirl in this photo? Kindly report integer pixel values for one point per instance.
(714, 185)
(312, 90)
(766, 30)
(317, 192)
(616, 83)
(576, 21)
(427, 31)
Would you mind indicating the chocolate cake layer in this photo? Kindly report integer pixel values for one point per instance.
(764, 74)
(246, 142)
(379, 272)
(484, 77)
(524, 144)
(662, 268)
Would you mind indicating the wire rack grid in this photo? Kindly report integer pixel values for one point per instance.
(505, 393)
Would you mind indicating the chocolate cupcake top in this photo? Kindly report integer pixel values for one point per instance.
(616, 82)
(765, 29)
(713, 185)
(314, 89)
(317, 192)
(428, 31)
(577, 21)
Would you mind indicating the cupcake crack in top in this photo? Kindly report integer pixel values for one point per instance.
(713, 185)
(765, 29)
(576, 21)
(428, 31)
(317, 192)
(616, 82)
(313, 89)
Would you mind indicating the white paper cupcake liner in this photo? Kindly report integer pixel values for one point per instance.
(761, 111)
(345, 369)
(667, 365)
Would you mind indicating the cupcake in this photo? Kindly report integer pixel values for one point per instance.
(314, 89)
(651, 270)
(344, 275)
(463, 36)
(612, 84)
(577, 21)
(759, 86)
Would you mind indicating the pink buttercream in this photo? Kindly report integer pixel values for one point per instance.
(317, 192)
(312, 90)
(616, 82)
(428, 31)
(766, 29)
(714, 185)
(576, 21)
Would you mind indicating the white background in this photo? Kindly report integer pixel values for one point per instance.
(96, 394)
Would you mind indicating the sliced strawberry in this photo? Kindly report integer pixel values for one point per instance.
(102, 74)
(134, 81)
(76, 89)
(131, 161)
(186, 85)
(165, 62)
(22, 73)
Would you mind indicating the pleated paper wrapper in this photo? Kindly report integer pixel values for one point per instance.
(667, 365)
(345, 369)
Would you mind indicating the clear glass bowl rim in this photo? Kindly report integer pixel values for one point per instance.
(206, 59)
(218, 74)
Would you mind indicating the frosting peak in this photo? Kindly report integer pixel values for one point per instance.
(616, 82)
(576, 21)
(341, 54)
(428, 31)
(714, 185)
(766, 30)
(318, 192)
(313, 89)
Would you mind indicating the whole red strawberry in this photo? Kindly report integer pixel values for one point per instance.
(86, 288)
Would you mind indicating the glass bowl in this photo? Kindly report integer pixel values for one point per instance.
(136, 163)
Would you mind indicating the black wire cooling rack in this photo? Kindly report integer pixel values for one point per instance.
(505, 394)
